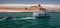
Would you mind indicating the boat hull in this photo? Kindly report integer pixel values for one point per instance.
(40, 15)
(43, 17)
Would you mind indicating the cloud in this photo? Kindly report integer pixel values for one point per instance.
(18, 4)
(23, 5)
(51, 5)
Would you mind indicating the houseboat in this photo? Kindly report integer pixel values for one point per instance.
(41, 13)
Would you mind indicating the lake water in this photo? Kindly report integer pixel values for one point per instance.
(29, 22)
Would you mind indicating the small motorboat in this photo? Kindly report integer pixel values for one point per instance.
(40, 14)
(7, 18)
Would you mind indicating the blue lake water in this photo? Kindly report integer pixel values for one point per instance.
(29, 22)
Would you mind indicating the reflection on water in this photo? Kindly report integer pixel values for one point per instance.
(29, 22)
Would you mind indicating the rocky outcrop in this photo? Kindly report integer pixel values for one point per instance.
(29, 9)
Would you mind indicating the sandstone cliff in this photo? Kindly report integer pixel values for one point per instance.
(30, 9)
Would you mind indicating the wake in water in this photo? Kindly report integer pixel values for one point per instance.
(20, 18)
(25, 18)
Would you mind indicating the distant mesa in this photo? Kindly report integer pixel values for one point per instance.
(29, 9)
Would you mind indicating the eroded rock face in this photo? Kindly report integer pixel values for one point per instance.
(41, 8)
(38, 8)
(30, 9)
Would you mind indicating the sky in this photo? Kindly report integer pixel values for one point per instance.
(30, 2)
(44, 3)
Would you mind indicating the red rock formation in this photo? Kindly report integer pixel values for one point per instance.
(30, 9)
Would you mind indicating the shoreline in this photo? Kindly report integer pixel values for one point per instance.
(28, 12)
